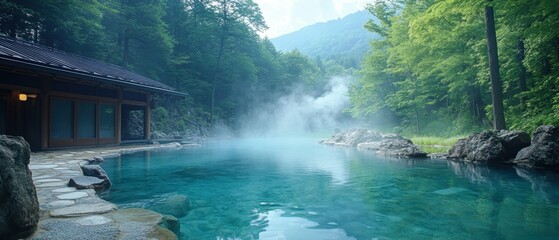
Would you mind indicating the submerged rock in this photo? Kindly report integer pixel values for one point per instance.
(136, 223)
(176, 205)
(390, 145)
(491, 147)
(19, 206)
(544, 151)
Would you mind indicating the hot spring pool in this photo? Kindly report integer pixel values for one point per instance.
(299, 189)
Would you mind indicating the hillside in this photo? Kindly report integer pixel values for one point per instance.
(342, 39)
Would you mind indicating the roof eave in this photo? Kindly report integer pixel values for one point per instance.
(14, 62)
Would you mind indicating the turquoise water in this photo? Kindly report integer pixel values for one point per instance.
(298, 189)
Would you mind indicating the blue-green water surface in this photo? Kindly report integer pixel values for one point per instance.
(299, 189)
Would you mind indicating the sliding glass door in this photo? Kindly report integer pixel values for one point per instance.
(75, 122)
(61, 122)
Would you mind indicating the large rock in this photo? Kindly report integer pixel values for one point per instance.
(19, 207)
(390, 145)
(176, 205)
(491, 147)
(394, 146)
(98, 172)
(544, 151)
(86, 182)
(353, 137)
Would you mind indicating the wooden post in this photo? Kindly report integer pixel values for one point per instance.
(45, 113)
(147, 118)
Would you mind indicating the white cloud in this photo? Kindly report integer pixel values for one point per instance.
(288, 16)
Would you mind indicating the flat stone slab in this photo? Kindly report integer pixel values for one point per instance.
(61, 203)
(50, 184)
(49, 180)
(83, 209)
(64, 190)
(43, 176)
(73, 195)
(83, 182)
(41, 166)
(93, 220)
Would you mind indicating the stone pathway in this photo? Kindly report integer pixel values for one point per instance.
(69, 213)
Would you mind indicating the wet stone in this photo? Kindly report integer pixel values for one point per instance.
(41, 166)
(44, 176)
(49, 180)
(74, 195)
(93, 220)
(61, 203)
(83, 209)
(64, 190)
(51, 184)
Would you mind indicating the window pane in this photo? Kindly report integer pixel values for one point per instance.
(86, 120)
(62, 119)
(106, 121)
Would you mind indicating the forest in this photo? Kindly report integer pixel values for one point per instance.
(427, 74)
(430, 71)
(209, 49)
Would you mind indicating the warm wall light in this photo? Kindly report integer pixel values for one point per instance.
(23, 97)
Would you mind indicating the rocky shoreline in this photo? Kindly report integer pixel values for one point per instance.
(382, 144)
(66, 212)
(492, 147)
(511, 148)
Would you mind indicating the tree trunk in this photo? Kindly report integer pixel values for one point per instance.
(219, 56)
(520, 55)
(496, 87)
(125, 50)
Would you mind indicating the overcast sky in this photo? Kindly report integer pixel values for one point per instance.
(285, 16)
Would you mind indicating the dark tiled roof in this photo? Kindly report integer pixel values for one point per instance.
(22, 52)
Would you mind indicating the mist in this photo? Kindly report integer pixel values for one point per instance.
(299, 114)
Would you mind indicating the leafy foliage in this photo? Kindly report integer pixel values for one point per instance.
(209, 49)
(430, 68)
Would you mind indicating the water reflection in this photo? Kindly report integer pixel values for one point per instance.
(544, 183)
(476, 173)
(278, 226)
(297, 189)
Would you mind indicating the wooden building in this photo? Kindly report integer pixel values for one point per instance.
(57, 99)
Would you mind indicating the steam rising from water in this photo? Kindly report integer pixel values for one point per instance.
(299, 114)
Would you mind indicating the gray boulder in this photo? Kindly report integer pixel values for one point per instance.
(491, 147)
(86, 182)
(544, 151)
(353, 137)
(394, 146)
(390, 145)
(98, 172)
(19, 207)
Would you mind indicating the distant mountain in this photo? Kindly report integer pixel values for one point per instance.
(341, 39)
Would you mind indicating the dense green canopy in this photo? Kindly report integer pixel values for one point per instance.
(430, 69)
(209, 49)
